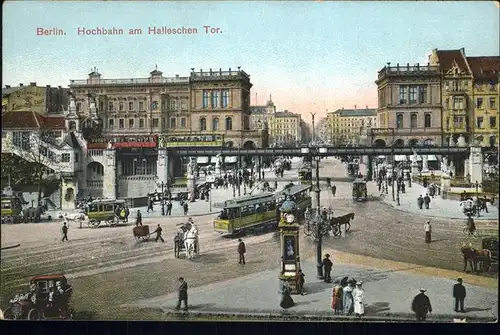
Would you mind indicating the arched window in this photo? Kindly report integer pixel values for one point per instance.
(203, 124)
(399, 120)
(215, 123)
(229, 123)
(413, 120)
(427, 120)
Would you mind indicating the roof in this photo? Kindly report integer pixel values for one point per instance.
(355, 112)
(258, 109)
(448, 57)
(48, 277)
(31, 120)
(286, 114)
(485, 67)
(71, 140)
(294, 189)
(7, 91)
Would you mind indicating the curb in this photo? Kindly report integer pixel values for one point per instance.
(329, 317)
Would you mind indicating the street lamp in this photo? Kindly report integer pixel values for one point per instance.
(392, 172)
(313, 134)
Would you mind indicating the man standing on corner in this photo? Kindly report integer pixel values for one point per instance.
(428, 231)
(327, 265)
(183, 294)
(241, 251)
(459, 294)
(421, 305)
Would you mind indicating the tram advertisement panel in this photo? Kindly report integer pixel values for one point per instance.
(141, 141)
(290, 245)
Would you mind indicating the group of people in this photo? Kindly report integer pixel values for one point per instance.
(348, 297)
(423, 201)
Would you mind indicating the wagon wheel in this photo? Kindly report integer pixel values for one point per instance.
(8, 315)
(347, 226)
(336, 230)
(35, 314)
(94, 223)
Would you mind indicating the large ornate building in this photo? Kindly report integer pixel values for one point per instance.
(347, 126)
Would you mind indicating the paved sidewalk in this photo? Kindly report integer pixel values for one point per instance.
(388, 294)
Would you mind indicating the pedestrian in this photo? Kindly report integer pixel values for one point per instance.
(420, 201)
(183, 294)
(169, 207)
(163, 207)
(348, 298)
(421, 305)
(327, 265)
(150, 204)
(300, 282)
(337, 299)
(127, 213)
(484, 204)
(65, 231)
(459, 294)
(358, 295)
(138, 221)
(334, 190)
(241, 251)
(158, 234)
(428, 231)
(185, 206)
(427, 201)
(286, 298)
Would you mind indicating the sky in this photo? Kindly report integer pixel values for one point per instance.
(311, 56)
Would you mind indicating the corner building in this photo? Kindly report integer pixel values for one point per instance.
(131, 124)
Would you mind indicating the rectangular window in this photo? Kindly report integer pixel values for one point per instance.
(458, 103)
(493, 122)
(399, 120)
(120, 106)
(479, 102)
(215, 98)
(154, 105)
(101, 106)
(205, 98)
(156, 123)
(141, 106)
(65, 158)
(111, 123)
(121, 123)
(141, 123)
(413, 94)
(130, 105)
(479, 123)
(492, 103)
(183, 122)
(458, 122)
(402, 95)
(172, 123)
(131, 123)
(173, 105)
(225, 98)
(422, 94)
(427, 120)
(110, 106)
(455, 85)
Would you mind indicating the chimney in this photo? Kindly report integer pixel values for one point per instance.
(7, 86)
(355, 106)
(21, 84)
(408, 66)
(176, 76)
(366, 106)
(59, 87)
(33, 83)
(47, 86)
(210, 70)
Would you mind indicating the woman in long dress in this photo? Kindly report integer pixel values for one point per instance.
(348, 299)
(286, 298)
(337, 299)
(359, 297)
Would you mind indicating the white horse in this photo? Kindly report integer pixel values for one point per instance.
(190, 238)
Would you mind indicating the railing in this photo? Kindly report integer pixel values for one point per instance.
(218, 74)
(130, 81)
(95, 152)
(404, 131)
(94, 183)
(145, 177)
(413, 69)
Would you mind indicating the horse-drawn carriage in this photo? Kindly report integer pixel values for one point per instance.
(48, 298)
(359, 190)
(106, 210)
(481, 259)
(336, 224)
(469, 207)
(187, 240)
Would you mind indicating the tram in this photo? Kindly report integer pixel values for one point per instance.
(359, 191)
(11, 209)
(305, 175)
(298, 194)
(103, 210)
(247, 214)
(353, 169)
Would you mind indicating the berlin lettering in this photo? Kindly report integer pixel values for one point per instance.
(49, 32)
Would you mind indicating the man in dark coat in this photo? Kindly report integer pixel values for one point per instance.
(459, 294)
(65, 232)
(421, 305)
(327, 265)
(183, 294)
(185, 206)
(158, 234)
(139, 218)
(427, 201)
(241, 251)
(420, 201)
(334, 190)
(300, 282)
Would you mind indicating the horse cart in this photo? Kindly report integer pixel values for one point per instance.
(48, 298)
(337, 222)
(182, 236)
(105, 210)
(141, 232)
(469, 208)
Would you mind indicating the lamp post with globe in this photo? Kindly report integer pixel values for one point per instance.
(316, 226)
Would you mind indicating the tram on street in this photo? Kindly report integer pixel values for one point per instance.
(11, 209)
(353, 169)
(103, 210)
(300, 194)
(247, 213)
(359, 190)
(305, 175)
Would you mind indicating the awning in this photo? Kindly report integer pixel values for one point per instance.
(202, 160)
(231, 160)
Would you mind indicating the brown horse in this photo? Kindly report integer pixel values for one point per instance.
(475, 258)
(336, 222)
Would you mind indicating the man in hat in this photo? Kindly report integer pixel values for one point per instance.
(65, 230)
(459, 294)
(428, 231)
(421, 305)
(327, 265)
(241, 251)
(183, 294)
(358, 295)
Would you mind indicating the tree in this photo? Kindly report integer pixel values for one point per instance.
(29, 158)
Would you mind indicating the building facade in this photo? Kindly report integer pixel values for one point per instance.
(348, 126)
(45, 100)
(409, 106)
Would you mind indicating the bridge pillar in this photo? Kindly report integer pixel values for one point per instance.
(466, 167)
(476, 165)
(425, 163)
(109, 178)
(162, 167)
(414, 169)
(69, 187)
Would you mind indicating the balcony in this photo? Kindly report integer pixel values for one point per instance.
(94, 183)
(219, 75)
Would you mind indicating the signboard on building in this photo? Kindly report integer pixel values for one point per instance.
(137, 141)
(27, 98)
(186, 141)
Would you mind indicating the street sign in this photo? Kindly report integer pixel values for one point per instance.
(210, 179)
